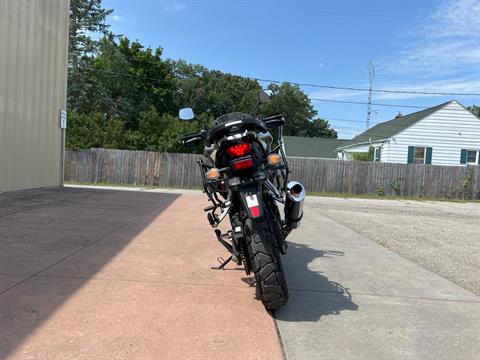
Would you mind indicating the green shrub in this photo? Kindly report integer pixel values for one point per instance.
(360, 156)
(380, 191)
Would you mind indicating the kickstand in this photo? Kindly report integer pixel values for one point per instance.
(222, 262)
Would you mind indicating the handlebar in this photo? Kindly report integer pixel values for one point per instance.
(266, 122)
(194, 138)
(274, 121)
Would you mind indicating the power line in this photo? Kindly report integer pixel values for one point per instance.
(353, 131)
(339, 119)
(346, 129)
(392, 127)
(365, 89)
(114, 73)
(144, 60)
(314, 99)
(365, 103)
(125, 74)
(348, 88)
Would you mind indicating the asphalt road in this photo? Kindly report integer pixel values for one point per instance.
(102, 274)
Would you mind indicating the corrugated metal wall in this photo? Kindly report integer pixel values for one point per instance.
(33, 83)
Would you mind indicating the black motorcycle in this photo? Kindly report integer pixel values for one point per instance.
(245, 175)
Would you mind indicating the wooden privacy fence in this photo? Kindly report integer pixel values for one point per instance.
(130, 167)
(146, 168)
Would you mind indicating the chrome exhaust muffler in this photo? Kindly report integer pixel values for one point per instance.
(294, 204)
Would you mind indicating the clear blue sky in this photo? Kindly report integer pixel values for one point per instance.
(419, 45)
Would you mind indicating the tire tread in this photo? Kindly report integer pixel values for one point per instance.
(267, 266)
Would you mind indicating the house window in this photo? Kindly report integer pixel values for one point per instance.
(471, 157)
(378, 154)
(419, 155)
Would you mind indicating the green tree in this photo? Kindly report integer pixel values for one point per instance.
(298, 111)
(114, 135)
(84, 131)
(86, 17)
(295, 106)
(124, 95)
(212, 92)
(162, 132)
(92, 130)
(320, 128)
(131, 79)
(475, 109)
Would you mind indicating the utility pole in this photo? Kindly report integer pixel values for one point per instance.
(371, 78)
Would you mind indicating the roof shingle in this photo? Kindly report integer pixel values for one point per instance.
(312, 146)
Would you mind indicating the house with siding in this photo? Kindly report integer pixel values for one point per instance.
(446, 134)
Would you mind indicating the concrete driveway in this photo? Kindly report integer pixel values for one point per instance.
(352, 298)
(102, 274)
(96, 274)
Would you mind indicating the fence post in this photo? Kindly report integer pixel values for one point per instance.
(94, 165)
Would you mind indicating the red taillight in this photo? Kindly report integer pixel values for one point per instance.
(238, 150)
(243, 164)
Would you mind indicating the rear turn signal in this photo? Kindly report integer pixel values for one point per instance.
(212, 174)
(274, 159)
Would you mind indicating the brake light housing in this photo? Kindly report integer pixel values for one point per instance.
(243, 164)
(239, 150)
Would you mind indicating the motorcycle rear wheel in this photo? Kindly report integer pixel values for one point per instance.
(267, 265)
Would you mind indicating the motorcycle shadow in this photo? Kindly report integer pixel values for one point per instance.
(312, 295)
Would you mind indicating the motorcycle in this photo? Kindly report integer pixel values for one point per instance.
(245, 177)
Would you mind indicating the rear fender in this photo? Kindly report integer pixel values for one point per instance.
(252, 201)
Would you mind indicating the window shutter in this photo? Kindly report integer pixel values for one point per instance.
(463, 156)
(478, 157)
(411, 150)
(428, 156)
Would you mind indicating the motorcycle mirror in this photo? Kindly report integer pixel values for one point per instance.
(264, 96)
(186, 114)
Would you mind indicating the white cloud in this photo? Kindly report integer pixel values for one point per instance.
(445, 43)
(456, 18)
(117, 18)
(173, 7)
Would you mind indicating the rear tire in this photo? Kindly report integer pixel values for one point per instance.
(267, 265)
